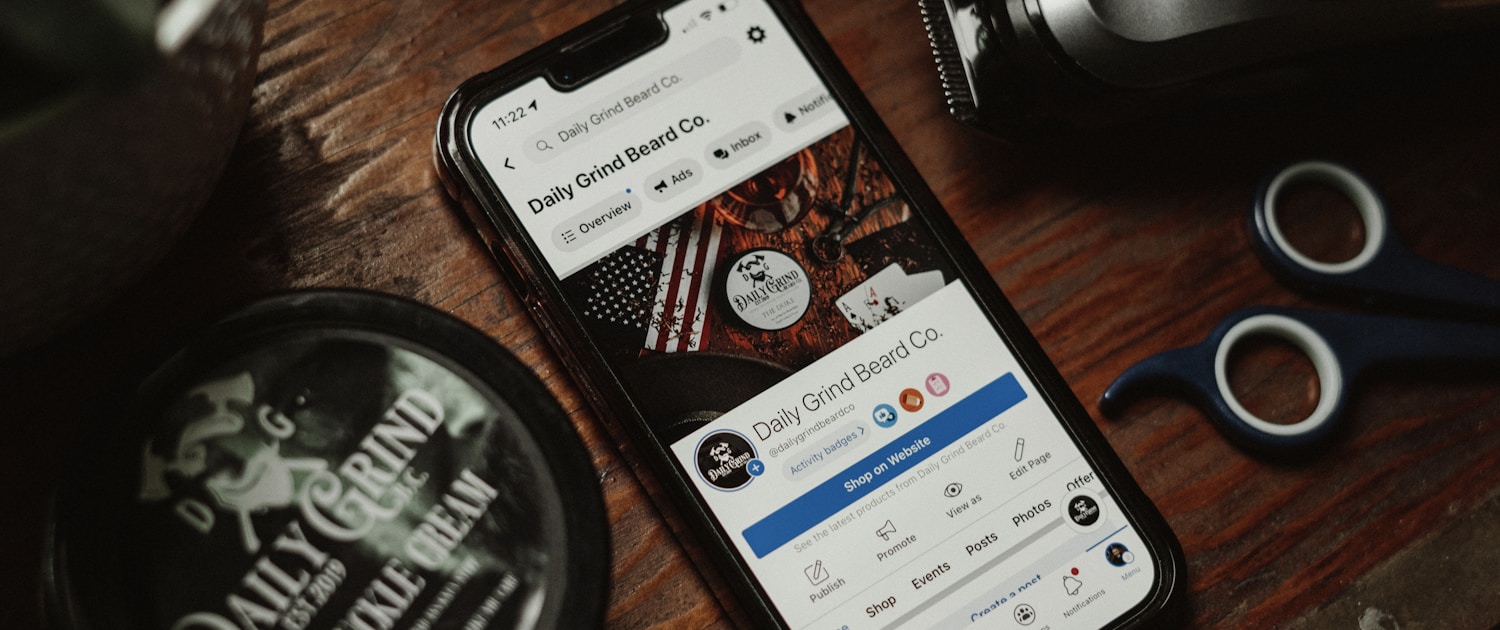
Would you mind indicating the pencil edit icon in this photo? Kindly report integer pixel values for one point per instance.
(816, 573)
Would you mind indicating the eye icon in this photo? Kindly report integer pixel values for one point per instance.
(953, 489)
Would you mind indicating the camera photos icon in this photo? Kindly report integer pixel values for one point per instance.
(727, 461)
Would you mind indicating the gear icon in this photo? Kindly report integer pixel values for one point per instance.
(756, 34)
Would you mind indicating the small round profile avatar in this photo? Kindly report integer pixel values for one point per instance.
(1118, 555)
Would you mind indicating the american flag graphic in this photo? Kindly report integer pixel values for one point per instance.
(618, 291)
(688, 248)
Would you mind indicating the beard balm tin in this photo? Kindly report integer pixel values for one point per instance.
(766, 290)
(332, 459)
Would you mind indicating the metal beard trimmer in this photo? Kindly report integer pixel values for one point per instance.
(1016, 67)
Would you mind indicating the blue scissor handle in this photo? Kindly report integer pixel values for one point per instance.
(1340, 345)
(1384, 272)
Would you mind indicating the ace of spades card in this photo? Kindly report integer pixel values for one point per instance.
(885, 295)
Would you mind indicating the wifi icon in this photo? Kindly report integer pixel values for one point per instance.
(706, 15)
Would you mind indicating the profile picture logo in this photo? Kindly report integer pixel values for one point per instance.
(1084, 510)
(725, 460)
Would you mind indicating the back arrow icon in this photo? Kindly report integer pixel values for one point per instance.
(507, 164)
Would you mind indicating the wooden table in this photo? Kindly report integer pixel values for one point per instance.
(1112, 246)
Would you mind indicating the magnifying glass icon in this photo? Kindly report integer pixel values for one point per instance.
(541, 145)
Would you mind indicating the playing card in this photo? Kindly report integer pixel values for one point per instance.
(876, 299)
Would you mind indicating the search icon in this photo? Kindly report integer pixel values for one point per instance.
(541, 145)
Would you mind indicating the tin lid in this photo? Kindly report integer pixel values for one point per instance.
(332, 459)
(765, 289)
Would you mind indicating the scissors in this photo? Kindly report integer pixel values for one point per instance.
(1341, 345)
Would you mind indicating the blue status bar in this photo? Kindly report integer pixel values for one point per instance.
(888, 463)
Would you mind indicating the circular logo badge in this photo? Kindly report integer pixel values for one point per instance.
(910, 399)
(767, 289)
(1084, 510)
(884, 415)
(726, 460)
(937, 384)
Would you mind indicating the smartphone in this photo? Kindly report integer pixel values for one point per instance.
(760, 296)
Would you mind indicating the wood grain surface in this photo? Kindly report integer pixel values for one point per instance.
(1112, 246)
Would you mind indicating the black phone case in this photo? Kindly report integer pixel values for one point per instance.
(520, 261)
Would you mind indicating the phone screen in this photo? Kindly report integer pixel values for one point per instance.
(829, 386)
